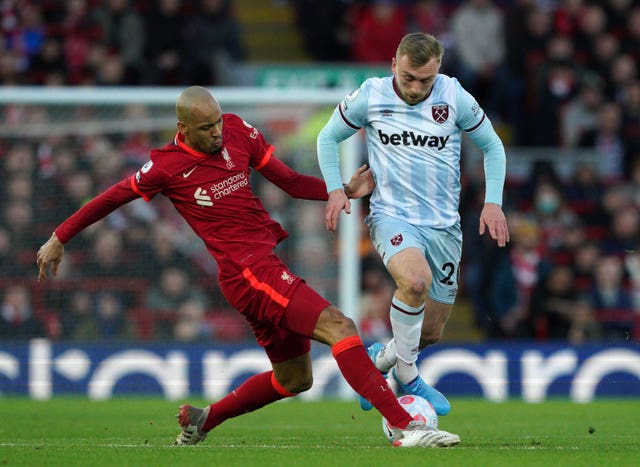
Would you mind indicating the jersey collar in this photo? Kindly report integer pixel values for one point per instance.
(397, 91)
(179, 141)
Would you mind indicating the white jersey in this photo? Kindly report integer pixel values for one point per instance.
(414, 150)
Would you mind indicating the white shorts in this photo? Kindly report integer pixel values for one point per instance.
(442, 249)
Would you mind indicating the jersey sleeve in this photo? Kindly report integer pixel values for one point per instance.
(472, 119)
(470, 114)
(96, 209)
(347, 119)
(295, 184)
(151, 178)
(259, 150)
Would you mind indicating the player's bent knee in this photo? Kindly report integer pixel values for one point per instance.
(299, 386)
(415, 285)
(333, 326)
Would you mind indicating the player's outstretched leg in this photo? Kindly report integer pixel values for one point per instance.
(372, 351)
(417, 434)
(418, 387)
(191, 420)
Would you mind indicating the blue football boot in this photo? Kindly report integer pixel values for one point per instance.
(373, 351)
(418, 387)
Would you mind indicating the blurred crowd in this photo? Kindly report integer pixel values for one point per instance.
(551, 74)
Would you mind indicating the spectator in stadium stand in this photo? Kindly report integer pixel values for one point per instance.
(48, 64)
(479, 44)
(592, 24)
(580, 113)
(191, 323)
(552, 304)
(584, 325)
(160, 250)
(631, 121)
(205, 172)
(17, 317)
(78, 29)
(617, 12)
(623, 72)
(123, 35)
(18, 216)
(605, 51)
(377, 28)
(213, 44)
(556, 82)
(631, 38)
(429, 16)
(553, 216)
(110, 315)
(7, 258)
(514, 274)
(625, 231)
(528, 29)
(606, 139)
(77, 317)
(164, 44)
(164, 298)
(107, 264)
(413, 123)
(611, 299)
(323, 27)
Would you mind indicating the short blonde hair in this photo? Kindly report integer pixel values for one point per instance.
(420, 48)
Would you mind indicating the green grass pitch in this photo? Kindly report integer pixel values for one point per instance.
(139, 432)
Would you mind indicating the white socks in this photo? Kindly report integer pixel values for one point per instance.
(403, 349)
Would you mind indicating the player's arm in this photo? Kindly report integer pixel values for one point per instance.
(294, 183)
(344, 122)
(476, 124)
(302, 186)
(52, 251)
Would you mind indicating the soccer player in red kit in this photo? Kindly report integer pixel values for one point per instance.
(204, 172)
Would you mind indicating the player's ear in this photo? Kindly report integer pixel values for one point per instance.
(182, 128)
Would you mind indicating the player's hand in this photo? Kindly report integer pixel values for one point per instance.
(361, 183)
(337, 202)
(493, 218)
(50, 253)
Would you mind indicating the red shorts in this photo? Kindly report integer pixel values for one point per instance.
(280, 307)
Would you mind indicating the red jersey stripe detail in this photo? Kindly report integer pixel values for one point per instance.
(266, 158)
(346, 344)
(135, 188)
(187, 148)
(279, 387)
(266, 288)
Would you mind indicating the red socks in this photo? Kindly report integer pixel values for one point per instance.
(360, 372)
(356, 367)
(254, 393)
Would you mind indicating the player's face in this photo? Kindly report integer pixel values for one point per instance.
(203, 132)
(414, 84)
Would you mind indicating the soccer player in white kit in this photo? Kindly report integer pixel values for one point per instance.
(413, 123)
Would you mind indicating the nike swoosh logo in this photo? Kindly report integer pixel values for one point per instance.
(186, 174)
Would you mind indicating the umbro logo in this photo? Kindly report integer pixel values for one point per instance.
(386, 112)
(186, 174)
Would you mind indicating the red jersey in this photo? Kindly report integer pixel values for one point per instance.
(212, 193)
